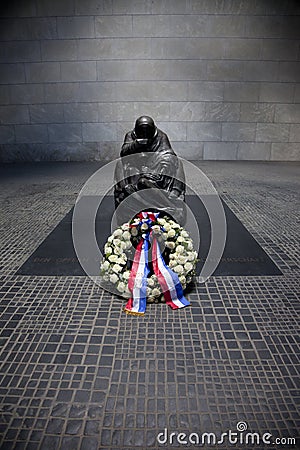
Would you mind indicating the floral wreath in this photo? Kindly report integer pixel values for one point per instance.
(161, 280)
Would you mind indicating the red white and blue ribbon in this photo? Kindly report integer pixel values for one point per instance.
(167, 279)
(137, 283)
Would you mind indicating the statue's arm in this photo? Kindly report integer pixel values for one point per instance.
(165, 143)
(122, 185)
(130, 145)
(167, 158)
(178, 185)
(171, 170)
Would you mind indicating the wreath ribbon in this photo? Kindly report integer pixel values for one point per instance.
(167, 278)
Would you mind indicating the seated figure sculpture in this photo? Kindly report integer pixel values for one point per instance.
(149, 162)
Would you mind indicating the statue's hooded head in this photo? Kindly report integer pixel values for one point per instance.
(145, 128)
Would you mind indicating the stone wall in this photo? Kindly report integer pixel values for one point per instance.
(221, 77)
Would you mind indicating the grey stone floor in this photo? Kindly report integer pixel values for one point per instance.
(77, 373)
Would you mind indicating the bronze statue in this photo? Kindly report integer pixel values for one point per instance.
(149, 162)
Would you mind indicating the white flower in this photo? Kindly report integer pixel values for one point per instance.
(178, 269)
(190, 245)
(171, 233)
(188, 266)
(179, 249)
(125, 226)
(121, 260)
(172, 263)
(156, 292)
(164, 236)
(127, 245)
(110, 239)
(116, 268)
(167, 227)
(181, 259)
(144, 227)
(180, 239)
(121, 286)
(107, 250)
(113, 278)
(112, 258)
(123, 245)
(105, 265)
(117, 242)
(156, 229)
(118, 251)
(134, 231)
(184, 234)
(161, 221)
(170, 245)
(182, 279)
(190, 256)
(126, 275)
(126, 235)
(151, 282)
(117, 233)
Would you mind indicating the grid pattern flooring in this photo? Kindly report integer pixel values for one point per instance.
(77, 373)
